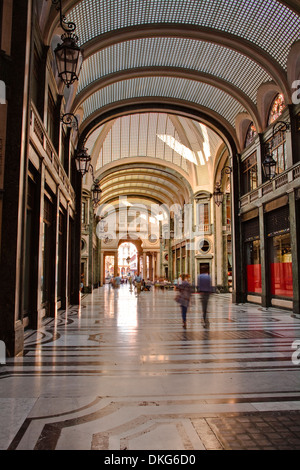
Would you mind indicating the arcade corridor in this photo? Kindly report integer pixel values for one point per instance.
(121, 373)
(158, 139)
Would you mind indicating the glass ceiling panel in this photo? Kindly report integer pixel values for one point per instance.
(176, 52)
(169, 87)
(266, 23)
(174, 139)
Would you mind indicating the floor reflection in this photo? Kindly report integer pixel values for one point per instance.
(121, 304)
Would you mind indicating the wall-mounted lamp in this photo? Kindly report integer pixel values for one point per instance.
(218, 195)
(96, 193)
(68, 54)
(269, 164)
(82, 158)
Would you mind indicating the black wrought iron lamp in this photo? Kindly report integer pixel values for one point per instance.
(269, 164)
(218, 195)
(68, 54)
(96, 193)
(82, 160)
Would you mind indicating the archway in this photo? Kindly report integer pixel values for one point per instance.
(127, 259)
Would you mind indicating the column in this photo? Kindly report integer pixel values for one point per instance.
(91, 255)
(151, 277)
(116, 263)
(102, 266)
(144, 265)
(39, 292)
(265, 294)
(54, 286)
(295, 246)
(76, 239)
(16, 156)
(65, 302)
(238, 294)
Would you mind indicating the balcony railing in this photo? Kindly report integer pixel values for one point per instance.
(287, 177)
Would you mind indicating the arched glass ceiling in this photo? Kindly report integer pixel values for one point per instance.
(268, 24)
(190, 54)
(165, 87)
(173, 139)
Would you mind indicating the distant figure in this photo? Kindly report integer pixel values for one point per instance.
(138, 282)
(179, 281)
(183, 297)
(204, 288)
(117, 280)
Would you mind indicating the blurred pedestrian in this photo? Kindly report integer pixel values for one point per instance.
(138, 282)
(204, 287)
(183, 297)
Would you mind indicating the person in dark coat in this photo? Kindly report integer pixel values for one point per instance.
(183, 297)
(204, 287)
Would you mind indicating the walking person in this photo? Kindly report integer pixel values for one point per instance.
(138, 283)
(204, 288)
(183, 297)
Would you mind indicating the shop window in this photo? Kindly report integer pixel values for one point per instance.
(280, 254)
(249, 173)
(251, 134)
(253, 266)
(281, 272)
(276, 109)
(252, 256)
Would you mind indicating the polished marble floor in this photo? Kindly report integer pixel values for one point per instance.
(120, 372)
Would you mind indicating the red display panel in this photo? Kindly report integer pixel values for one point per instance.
(281, 279)
(254, 278)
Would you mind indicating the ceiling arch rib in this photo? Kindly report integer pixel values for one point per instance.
(155, 190)
(137, 178)
(180, 53)
(164, 105)
(175, 140)
(191, 33)
(262, 58)
(231, 90)
(188, 91)
(178, 186)
(128, 188)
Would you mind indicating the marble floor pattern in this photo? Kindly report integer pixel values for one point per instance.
(120, 372)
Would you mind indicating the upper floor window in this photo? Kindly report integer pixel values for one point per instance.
(249, 173)
(251, 134)
(203, 213)
(83, 213)
(279, 151)
(277, 107)
(51, 117)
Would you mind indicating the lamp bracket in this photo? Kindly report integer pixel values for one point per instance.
(67, 26)
(283, 126)
(70, 120)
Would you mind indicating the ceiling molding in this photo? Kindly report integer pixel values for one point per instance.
(212, 80)
(172, 106)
